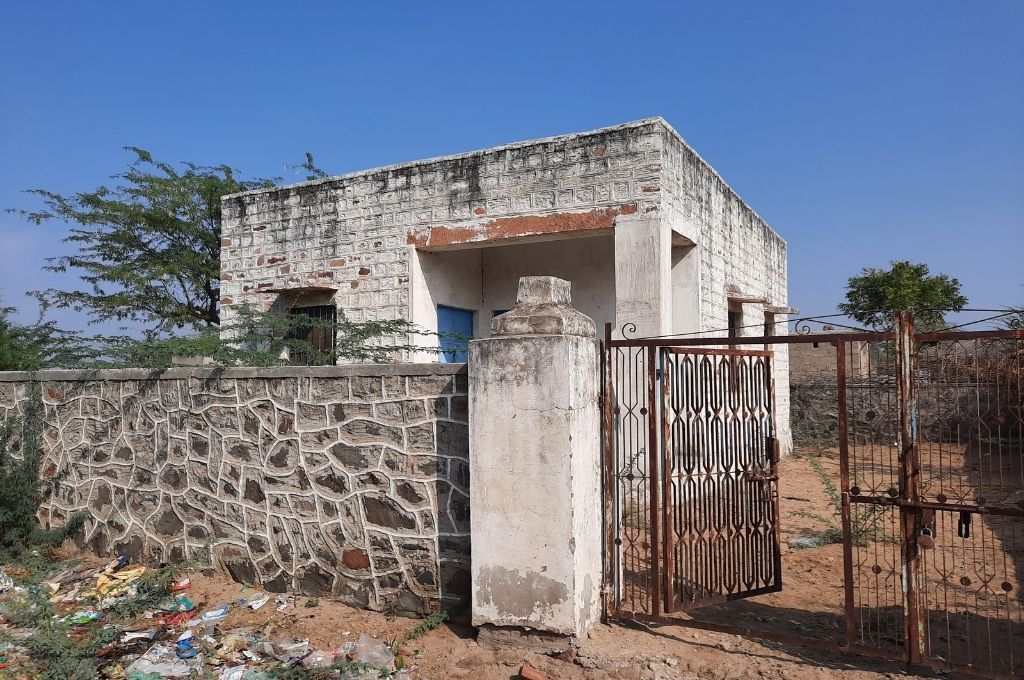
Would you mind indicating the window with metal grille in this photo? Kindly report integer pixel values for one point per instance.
(316, 328)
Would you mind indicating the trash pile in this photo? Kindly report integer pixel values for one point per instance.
(150, 632)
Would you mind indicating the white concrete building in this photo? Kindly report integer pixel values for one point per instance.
(643, 227)
(645, 230)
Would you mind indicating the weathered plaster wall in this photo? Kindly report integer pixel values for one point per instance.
(451, 278)
(738, 249)
(351, 481)
(588, 264)
(358, 233)
(740, 254)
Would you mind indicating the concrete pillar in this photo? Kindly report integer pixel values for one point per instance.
(643, 275)
(534, 459)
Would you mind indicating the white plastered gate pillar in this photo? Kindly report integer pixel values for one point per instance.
(535, 493)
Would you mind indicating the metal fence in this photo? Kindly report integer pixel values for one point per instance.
(930, 444)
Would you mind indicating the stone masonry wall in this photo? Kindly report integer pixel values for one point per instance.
(350, 481)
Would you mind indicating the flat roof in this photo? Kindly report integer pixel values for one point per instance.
(654, 120)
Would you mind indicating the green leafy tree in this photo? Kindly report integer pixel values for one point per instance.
(257, 339)
(29, 347)
(149, 253)
(148, 247)
(876, 294)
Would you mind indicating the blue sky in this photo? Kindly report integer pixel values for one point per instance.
(863, 132)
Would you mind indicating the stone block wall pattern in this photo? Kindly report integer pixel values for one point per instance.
(346, 481)
(358, 233)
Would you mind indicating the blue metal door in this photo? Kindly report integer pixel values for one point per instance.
(455, 328)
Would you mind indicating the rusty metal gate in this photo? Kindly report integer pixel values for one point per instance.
(930, 443)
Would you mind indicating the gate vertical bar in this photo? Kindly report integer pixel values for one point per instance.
(666, 480)
(611, 520)
(844, 489)
(774, 458)
(909, 475)
(653, 486)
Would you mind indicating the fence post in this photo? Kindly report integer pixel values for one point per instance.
(535, 472)
(849, 604)
(909, 478)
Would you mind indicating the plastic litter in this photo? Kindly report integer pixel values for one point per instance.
(162, 660)
(233, 673)
(183, 583)
(232, 643)
(177, 619)
(374, 652)
(216, 614)
(317, 659)
(82, 617)
(178, 604)
(185, 649)
(121, 596)
(147, 634)
(806, 541)
(285, 650)
(130, 642)
(6, 582)
(258, 601)
(116, 582)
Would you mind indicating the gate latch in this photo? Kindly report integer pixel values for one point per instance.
(760, 474)
(963, 527)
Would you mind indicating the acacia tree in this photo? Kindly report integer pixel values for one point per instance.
(149, 253)
(876, 294)
(148, 247)
(29, 347)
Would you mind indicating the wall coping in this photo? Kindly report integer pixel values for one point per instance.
(177, 373)
(434, 160)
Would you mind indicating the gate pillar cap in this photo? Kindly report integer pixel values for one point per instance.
(543, 307)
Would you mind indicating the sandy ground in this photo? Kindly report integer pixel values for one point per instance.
(611, 652)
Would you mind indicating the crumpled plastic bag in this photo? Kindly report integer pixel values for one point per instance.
(374, 652)
(233, 642)
(109, 584)
(232, 673)
(284, 650)
(318, 659)
(162, 660)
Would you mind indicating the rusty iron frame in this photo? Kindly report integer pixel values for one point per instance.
(763, 504)
(913, 510)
